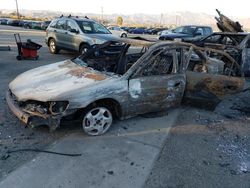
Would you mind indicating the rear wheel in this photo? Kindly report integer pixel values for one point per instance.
(97, 120)
(83, 49)
(52, 46)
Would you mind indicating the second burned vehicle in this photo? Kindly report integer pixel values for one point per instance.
(121, 79)
(237, 45)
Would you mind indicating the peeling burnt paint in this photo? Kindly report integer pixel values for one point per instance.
(84, 72)
(219, 85)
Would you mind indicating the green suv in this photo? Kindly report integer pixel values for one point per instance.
(75, 34)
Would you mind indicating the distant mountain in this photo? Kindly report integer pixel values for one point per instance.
(168, 19)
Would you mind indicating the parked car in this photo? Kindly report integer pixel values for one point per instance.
(21, 23)
(115, 30)
(75, 34)
(164, 32)
(13, 22)
(156, 31)
(3, 21)
(129, 29)
(148, 30)
(27, 24)
(237, 45)
(36, 25)
(138, 30)
(125, 28)
(121, 79)
(45, 24)
(187, 32)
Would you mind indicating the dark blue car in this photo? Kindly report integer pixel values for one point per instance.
(187, 32)
(138, 30)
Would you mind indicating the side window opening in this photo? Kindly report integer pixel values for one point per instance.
(162, 62)
(199, 31)
(71, 25)
(61, 24)
(53, 24)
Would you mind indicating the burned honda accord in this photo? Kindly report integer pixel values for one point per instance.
(121, 79)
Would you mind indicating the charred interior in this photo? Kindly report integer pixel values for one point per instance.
(115, 57)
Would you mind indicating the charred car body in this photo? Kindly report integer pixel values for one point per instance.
(121, 79)
(237, 45)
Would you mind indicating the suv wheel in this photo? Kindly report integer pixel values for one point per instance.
(52, 46)
(83, 49)
(124, 35)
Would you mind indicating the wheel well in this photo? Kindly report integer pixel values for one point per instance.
(115, 108)
(50, 39)
(83, 43)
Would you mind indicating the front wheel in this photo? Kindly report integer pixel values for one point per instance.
(97, 120)
(124, 35)
(83, 49)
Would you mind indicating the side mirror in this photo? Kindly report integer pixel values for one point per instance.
(74, 31)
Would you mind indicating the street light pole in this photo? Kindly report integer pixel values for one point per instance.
(17, 11)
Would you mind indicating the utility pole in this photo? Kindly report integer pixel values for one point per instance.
(161, 19)
(17, 11)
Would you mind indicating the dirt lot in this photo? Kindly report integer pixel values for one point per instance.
(204, 148)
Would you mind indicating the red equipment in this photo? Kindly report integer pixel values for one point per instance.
(26, 50)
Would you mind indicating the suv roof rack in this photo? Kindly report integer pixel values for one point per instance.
(70, 16)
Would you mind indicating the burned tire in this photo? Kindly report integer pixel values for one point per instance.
(97, 120)
(52, 47)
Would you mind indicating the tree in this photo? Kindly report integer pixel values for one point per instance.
(119, 20)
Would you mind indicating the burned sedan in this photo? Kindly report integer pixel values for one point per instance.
(121, 79)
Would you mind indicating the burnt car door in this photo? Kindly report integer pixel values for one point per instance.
(209, 80)
(72, 38)
(158, 83)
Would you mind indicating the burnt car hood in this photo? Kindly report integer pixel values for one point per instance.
(46, 83)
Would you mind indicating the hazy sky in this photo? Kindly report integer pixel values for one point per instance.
(230, 8)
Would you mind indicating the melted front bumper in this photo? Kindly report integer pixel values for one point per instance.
(23, 116)
(30, 119)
